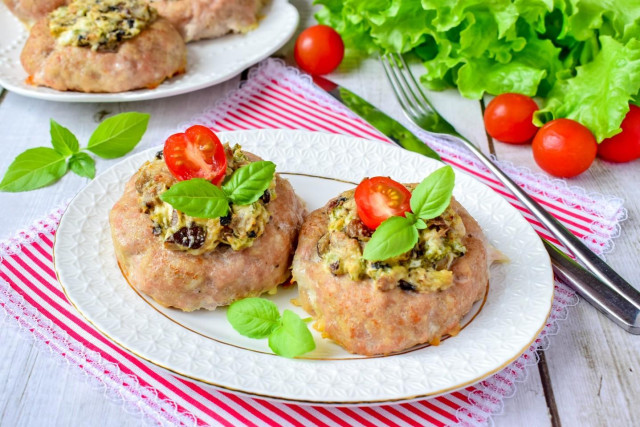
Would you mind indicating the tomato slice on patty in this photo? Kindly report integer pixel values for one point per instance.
(196, 153)
(379, 198)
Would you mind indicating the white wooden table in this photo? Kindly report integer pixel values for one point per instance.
(590, 375)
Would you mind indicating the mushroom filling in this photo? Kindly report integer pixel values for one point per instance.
(100, 24)
(181, 232)
(425, 268)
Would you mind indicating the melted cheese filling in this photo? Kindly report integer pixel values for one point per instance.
(425, 268)
(100, 24)
(239, 229)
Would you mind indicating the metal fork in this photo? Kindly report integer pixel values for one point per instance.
(601, 285)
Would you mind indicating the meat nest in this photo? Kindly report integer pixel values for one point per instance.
(369, 321)
(190, 282)
(30, 11)
(145, 61)
(205, 19)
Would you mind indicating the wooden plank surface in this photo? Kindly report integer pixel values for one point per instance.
(593, 367)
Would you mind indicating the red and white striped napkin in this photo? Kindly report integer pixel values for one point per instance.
(276, 96)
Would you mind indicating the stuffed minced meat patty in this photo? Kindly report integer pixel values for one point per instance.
(103, 46)
(31, 11)
(192, 263)
(382, 307)
(207, 19)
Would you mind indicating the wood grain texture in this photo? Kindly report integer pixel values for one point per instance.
(40, 390)
(595, 370)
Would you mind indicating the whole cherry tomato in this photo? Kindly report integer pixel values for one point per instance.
(196, 153)
(508, 118)
(624, 146)
(379, 198)
(564, 148)
(319, 50)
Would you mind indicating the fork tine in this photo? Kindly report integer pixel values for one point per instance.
(405, 85)
(395, 84)
(419, 96)
(407, 90)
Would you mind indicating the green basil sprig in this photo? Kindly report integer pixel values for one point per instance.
(113, 137)
(41, 166)
(200, 198)
(288, 334)
(249, 182)
(397, 235)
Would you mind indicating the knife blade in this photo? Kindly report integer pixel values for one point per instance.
(567, 270)
(388, 126)
(592, 289)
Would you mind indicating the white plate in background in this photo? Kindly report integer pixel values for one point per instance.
(208, 61)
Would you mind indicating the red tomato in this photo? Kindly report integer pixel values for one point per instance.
(319, 49)
(564, 148)
(379, 198)
(624, 146)
(508, 118)
(196, 153)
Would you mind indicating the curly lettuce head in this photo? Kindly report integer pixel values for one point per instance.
(580, 55)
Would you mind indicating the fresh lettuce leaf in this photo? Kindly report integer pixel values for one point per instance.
(580, 55)
(353, 28)
(530, 71)
(598, 96)
(616, 18)
(401, 27)
(484, 75)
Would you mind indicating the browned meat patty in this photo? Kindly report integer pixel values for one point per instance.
(30, 11)
(206, 19)
(366, 320)
(190, 282)
(144, 61)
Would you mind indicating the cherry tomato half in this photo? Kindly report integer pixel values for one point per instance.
(196, 153)
(319, 50)
(508, 118)
(624, 146)
(379, 198)
(564, 148)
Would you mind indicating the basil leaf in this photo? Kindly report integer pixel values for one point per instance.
(292, 338)
(198, 198)
(249, 182)
(432, 196)
(82, 164)
(63, 141)
(118, 135)
(35, 168)
(411, 217)
(395, 236)
(254, 317)
(420, 224)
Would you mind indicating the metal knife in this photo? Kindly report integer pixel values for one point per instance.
(590, 287)
(391, 128)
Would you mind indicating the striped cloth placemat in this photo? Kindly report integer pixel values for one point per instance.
(276, 96)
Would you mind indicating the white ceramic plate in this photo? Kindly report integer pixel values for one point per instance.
(208, 61)
(202, 345)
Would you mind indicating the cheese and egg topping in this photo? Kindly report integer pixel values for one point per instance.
(425, 268)
(238, 229)
(100, 24)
